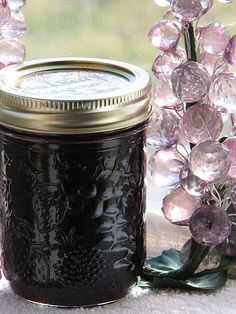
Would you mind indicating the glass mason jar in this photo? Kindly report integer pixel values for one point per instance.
(72, 179)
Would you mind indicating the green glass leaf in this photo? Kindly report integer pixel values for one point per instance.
(227, 260)
(207, 282)
(169, 260)
(142, 283)
(168, 271)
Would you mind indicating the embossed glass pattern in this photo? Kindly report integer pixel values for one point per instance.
(73, 229)
(72, 167)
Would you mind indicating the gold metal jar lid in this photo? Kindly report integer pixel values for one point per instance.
(73, 96)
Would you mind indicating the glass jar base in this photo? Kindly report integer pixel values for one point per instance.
(69, 306)
(60, 299)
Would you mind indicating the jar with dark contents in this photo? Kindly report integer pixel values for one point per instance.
(72, 174)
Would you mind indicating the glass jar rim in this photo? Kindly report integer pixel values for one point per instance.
(74, 96)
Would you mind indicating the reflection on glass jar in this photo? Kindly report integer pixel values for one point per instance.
(73, 216)
(73, 208)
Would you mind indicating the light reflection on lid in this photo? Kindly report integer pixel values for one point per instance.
(74, 96)
(68, 84)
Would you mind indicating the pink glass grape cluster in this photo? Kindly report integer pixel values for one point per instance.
(186, 125)
(12, 27)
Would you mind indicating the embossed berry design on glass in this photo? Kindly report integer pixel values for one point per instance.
(73, 204)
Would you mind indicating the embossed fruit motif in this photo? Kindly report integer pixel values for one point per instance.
(16, 245)
(74, 222)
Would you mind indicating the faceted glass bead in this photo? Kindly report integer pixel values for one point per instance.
(178, 206)
(210, 225)
(191, 183)
(206, 5)
(201, 123)
(230, 52)
(223, 93)
(182, 53)
(16, 5)
(184, 145)
(190, 81)
(164, 35)
(233, 195)
(213, 63)
(163, 129)
(5, 12)
(15, 27)
(230, 143)
(164, 65)
(11, 51)
(212, 259)
(164, 97)
(170, 16)
(228, 247)
(213, 38)
(164, 167)
(210, 161)
(187, 10)
(233, 121)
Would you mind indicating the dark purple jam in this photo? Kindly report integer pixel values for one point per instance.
(72, 215)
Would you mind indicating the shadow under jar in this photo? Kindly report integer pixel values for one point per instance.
(72, 174)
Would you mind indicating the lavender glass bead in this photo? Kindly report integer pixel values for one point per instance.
(164, 65)
(164, 35)
(187, 10)
(210, 161)
(228, 247)
(233, 122)
(213, 38)
(164, 97)
(178, 206)
(233, 195)
(170, 16)
(230, 143)
(5, 12)
(15, 26)
(222, 93)
(12, 51)
(230, 52)
(164, 167)
(16, 5)
(184, 143)
(206, 5)
(191, 183)
(163, 129)
(201, 123)
(213, 63)
(210, 225)
(190, 81)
